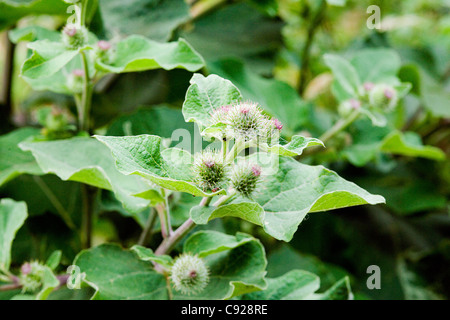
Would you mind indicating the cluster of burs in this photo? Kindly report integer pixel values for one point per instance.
(245, 124)
(380, 97)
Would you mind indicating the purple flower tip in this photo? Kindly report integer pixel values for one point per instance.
(26, 268)
(78, 73)
(193, 274)
(368, 86)
(104, 45)
(277, 123)
(388, 93)
(256, 170)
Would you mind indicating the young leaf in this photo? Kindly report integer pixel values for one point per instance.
(236, 264)
(118, 274)
(88, 161)
(295, 147)
(142, 155)
(146, 254)
(339, 291)
(205, 95)
(12, 217)
(54, 259)
(294, 285)
(50, 282)
(14, 161)
(377, 65)
(137, 53)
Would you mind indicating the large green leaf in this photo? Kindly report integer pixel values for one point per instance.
(14, 161)
(119, 274)
(236, 264)
(205, 95)
(285, 197)
(339, 291)
(13, 10)
(154, 19)
(377, 65)
(294, 285)
(33, 33)
(137, 53)
(276, 97)
(346, 76)
(142, 155)
(88, 161)
(12, 217)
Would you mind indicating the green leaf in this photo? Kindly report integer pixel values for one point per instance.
(50, 282)
(339, 291)
(153, 19)
(294, 285)
(142, 155)
(205, 95)
(236, 264)
(88, 161)
(295, 147)
(377, 65)
(54, 259)
(13, 10)
(137, 53)
(410, 144)
(205, 243)
(241, 208)
(286, 196)
(344, 73)
(12, 217)
(14, 161)
(47, 59)
(118, 274)
(33, 33)
(276, 97)
(146, 254)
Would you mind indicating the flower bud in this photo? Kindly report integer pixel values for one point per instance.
(104, 51)
(246, 121)
(383, 97)
(348, 106)
(32, 276)
(75, 81)
(209, 170)
(189, 274)
(74, 37)
(245, 178)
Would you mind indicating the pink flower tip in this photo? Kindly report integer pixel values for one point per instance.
(256, 170)
(209, 164)
(104, 45)
(70, 31)
(356, 104)
(368, 86)
(26, 268)
(78, 73)
(277, 123)
(388, 93)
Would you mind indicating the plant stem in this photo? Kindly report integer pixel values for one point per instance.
(147, 231)
(305, 55)
(169, 243)
(164, 216)
(224, 149)
(16, 285)
(339, 126)
(6, 93)
(86, 98)
(223, 199)
(88, 194)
